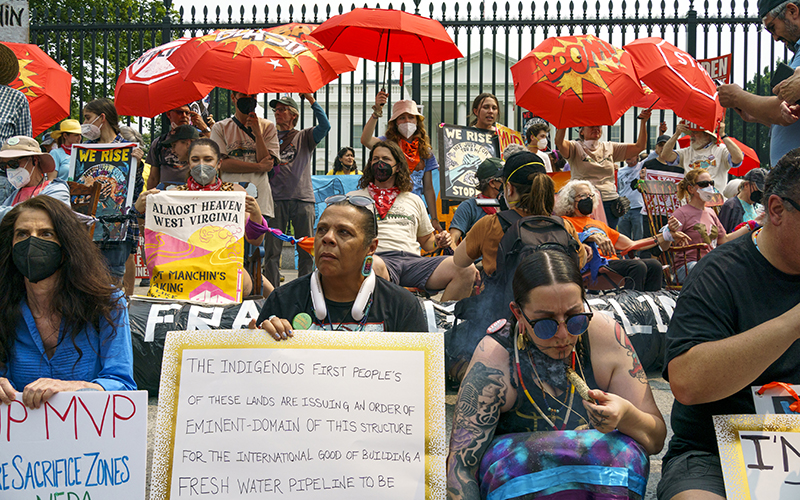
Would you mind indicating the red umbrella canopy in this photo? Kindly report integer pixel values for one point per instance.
(250, 61)
(387, 35)
(574, 81)
(337, 63)
(750, 161)
(152, 85)
(45, 83)
(651, 100)
(678, 79)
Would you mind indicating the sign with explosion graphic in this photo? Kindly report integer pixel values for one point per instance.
(194, 242)
(461, 151)
(113, 166)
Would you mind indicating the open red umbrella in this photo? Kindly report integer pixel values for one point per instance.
(651, 100)
(339, 63)
(678, 79)
(250, 61)
(750, 161)
(45, 83)
(152, 85)
(574, 81)
(387, 35)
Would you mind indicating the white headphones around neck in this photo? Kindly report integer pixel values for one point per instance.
(360, 305)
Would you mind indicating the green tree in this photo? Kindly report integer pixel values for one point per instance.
(754, 135)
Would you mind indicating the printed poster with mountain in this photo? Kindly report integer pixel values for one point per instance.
(194, 242)
(461, 151)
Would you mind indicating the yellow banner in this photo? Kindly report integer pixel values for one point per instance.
(507, 136)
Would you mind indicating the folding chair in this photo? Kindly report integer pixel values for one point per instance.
(83, 199)
(661, 200)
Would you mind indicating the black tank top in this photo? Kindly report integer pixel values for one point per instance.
(523, 417)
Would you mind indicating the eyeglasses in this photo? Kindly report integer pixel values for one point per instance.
(356, 201)
(792, 203)
(181, 112)
(704, 184)
(546, 328)
(584, 196)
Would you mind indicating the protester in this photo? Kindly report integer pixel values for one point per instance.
(67, 134)
(406, 127)
(654, 163)
(536, 137)
(703, 153)
(504, 393)
(165, 165)
(594, 160)
(403, 226)
(632, 223)
(15, 112)
(781, 20)
(249, 147)
(742, 207)
(26, 168)
(526, 188)
(179, 140)
(204, 175)
(490, 183)
(735, 326)
(485, 111)
(63, 326)
(101, 126)
(343, 293)
(292, 193)
(48, 143)
(576, 201)
(345, 163)
(699, 222)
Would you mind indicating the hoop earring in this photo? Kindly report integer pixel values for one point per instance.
(366, 267)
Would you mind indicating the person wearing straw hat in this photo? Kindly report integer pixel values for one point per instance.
(15, 113)
(406, 127)
(67, 134)
(26, 168)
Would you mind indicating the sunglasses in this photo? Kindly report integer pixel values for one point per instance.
(356, 201)
(12, 163)
(704, 184)
(546, 328)
(792, 203)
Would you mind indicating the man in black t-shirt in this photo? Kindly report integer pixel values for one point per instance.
(736, 325)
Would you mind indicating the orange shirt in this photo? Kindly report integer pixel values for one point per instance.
(580, 223)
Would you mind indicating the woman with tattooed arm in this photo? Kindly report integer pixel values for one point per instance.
(526, 380)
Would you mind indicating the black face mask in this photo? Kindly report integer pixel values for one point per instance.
(585, 206)
(246, 104)
(382, 171)
(37, 259)
(755, 196)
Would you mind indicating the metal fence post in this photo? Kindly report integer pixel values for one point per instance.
(691, 31)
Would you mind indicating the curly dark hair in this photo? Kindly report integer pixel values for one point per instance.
(337, 163)
(425, 149)
(402, 177)
(83, 293)
(534, 130)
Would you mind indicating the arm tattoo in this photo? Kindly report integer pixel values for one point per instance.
(637, 371)
(482, 394)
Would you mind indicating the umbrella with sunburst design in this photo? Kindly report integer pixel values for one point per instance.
(251, 61)
(574, 81)
(45, 83)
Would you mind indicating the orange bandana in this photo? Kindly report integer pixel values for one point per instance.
(411, 150)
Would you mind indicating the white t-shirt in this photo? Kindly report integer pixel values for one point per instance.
(235, 143)
(406, 221)
(548, 167)
(715, 159)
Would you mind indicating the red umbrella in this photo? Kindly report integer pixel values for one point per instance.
(338, 63)
(387, 35)
(574, 81)
(45, 83)
(651, 100)
(250, 61)
(152, 85)
(678, 79)
(750, 161)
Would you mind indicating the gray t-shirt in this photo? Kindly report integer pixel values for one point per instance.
(292, 179)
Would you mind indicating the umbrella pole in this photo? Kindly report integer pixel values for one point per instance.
(386, 61)
(654, 103)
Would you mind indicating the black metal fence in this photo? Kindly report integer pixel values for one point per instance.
(96, 45)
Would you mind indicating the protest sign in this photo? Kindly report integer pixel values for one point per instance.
(760, 456)
(76, 446)
(194, 242)
(718, 68)
(461, 151)
(775, 399)
(322, 415)
(113, 166)
(506, 136)
(141, 266)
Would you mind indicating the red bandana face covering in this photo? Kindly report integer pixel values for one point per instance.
(383, 198)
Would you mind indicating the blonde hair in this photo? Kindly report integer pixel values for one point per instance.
(689, 180)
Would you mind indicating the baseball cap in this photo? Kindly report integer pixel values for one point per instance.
(489, 168)
(286, 101)
(20, 146)
(764, 6)
(182, 132)
(662, 138)
(756, 176)
(520, 167)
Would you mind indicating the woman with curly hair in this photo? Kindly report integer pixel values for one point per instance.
(63, 326)
(406, 127)
(345, 162)
(403, 227)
